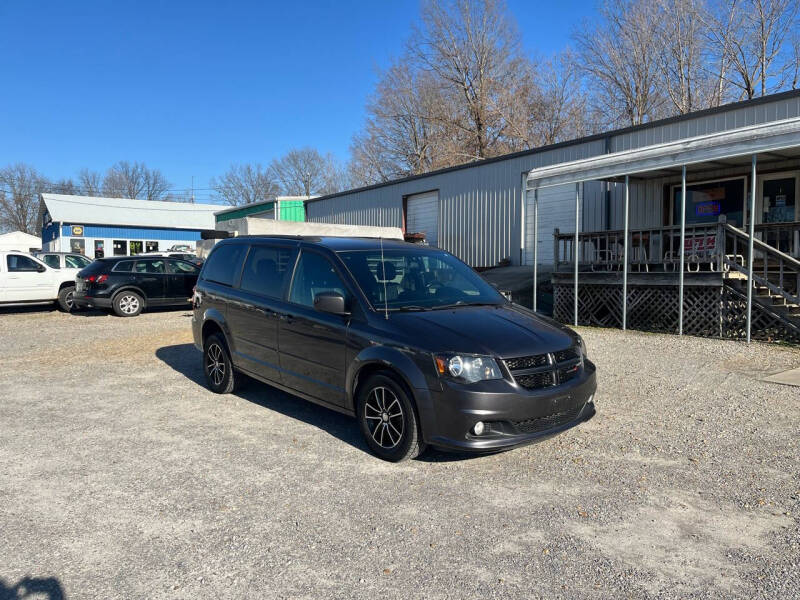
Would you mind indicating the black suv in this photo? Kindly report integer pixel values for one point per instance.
(128, 284)
(406, 338)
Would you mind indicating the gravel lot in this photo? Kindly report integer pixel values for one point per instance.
(121, 476)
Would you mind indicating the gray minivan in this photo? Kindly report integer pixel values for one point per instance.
(406, 338)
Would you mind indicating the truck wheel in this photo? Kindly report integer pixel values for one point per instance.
(66, 296)
(128, 304)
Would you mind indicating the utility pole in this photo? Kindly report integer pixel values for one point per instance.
(192, 189)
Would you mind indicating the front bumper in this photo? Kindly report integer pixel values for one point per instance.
(514, 416)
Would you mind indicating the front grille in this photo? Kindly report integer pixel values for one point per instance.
(535, 381)
(528, 362)
(545, 370)
(547, 422)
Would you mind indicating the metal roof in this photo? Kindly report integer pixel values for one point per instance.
(127, 212)
(745, 141)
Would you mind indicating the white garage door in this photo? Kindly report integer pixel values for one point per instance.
(422, 216)
(556, 209)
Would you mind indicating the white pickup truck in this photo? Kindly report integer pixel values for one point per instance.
(27, 280)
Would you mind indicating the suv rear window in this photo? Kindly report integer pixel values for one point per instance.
(224, 264)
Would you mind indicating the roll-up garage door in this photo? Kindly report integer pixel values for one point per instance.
(422, 216)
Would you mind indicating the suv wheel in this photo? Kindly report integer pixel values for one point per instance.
(66, 296)
(387, 419)
(128, 304)
(217, 365)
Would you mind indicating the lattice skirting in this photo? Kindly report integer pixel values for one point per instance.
(707, 311)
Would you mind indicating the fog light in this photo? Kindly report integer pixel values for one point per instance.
(477, 429)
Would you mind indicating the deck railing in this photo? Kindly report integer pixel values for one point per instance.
(657, 249)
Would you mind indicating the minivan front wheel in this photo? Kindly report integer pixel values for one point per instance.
(387, 419)
(217, 365)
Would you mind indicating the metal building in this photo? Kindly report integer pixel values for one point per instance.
(289, 208)
(99, 227)
(483, 211)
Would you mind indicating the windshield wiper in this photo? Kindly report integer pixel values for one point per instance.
(461, 303)
(410, 308)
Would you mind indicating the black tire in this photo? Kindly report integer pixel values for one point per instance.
(127, 304)
(217, 366)
(65, 296)
(388, 420)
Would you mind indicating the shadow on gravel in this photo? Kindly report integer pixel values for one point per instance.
(187, 360)
(45, 588)
(98, 312)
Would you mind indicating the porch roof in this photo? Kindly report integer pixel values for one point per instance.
(779, 140)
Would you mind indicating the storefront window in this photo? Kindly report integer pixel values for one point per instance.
(99, 248)
(705, 202)
(120, 248)
(77, 245)
(151, 247)
(136, 247)
(779, 200)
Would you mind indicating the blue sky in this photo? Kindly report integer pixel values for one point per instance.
(192, 87)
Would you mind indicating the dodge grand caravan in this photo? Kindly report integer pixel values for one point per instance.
(406, 338)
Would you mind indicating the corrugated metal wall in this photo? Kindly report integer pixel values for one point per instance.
(482, 205)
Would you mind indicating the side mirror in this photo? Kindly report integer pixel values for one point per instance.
(41, 268)
(331, 302)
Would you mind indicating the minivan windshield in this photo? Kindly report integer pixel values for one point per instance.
(417, 279)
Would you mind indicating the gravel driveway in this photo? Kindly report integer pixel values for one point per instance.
(121, 476)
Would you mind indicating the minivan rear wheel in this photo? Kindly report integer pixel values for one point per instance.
(388, 420)
(217, 365)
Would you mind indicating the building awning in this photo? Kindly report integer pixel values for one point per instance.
(743, 142)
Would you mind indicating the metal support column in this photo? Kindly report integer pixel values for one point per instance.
(752, 223)
(625, 259)
(683, 238)
(535, 244)
(578, 193)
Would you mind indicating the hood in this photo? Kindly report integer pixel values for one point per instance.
(505, 331)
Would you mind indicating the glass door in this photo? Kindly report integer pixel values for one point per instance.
(779, 211)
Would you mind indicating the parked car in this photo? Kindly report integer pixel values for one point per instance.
(180, 248)
(406, 338)
(63, 260)
(25, 279)
(128, 284)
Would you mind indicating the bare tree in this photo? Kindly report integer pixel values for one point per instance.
(755, 37)
(620, 55)
(20, 186)
(473, 50)
(306, 172)
(91, 182)
(134, 180)
(244, 184)
(64, 186)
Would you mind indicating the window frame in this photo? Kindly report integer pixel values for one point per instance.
(202, 276)
(30, 258)
(172, 270)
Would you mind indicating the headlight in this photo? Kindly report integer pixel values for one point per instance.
(468, 368)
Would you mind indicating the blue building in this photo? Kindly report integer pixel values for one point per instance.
(99, 227)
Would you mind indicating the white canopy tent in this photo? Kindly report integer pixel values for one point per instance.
(736, 147)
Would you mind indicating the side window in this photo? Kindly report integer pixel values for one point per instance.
(17, 263)
(266, 270)
(123, 266)
(224, 263)
(51, 260)
(76, 262)
(314, 274)
(179, 266)
(149, 266)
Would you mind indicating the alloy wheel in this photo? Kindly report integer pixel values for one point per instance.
(384, 416)
(129, 304)
(216, 364)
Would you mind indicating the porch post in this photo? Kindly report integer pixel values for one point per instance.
(625, 260)
(578, 190)
(683, 238)
(535, 243)
(752, 224)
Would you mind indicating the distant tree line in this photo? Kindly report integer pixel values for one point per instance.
(463, 89)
